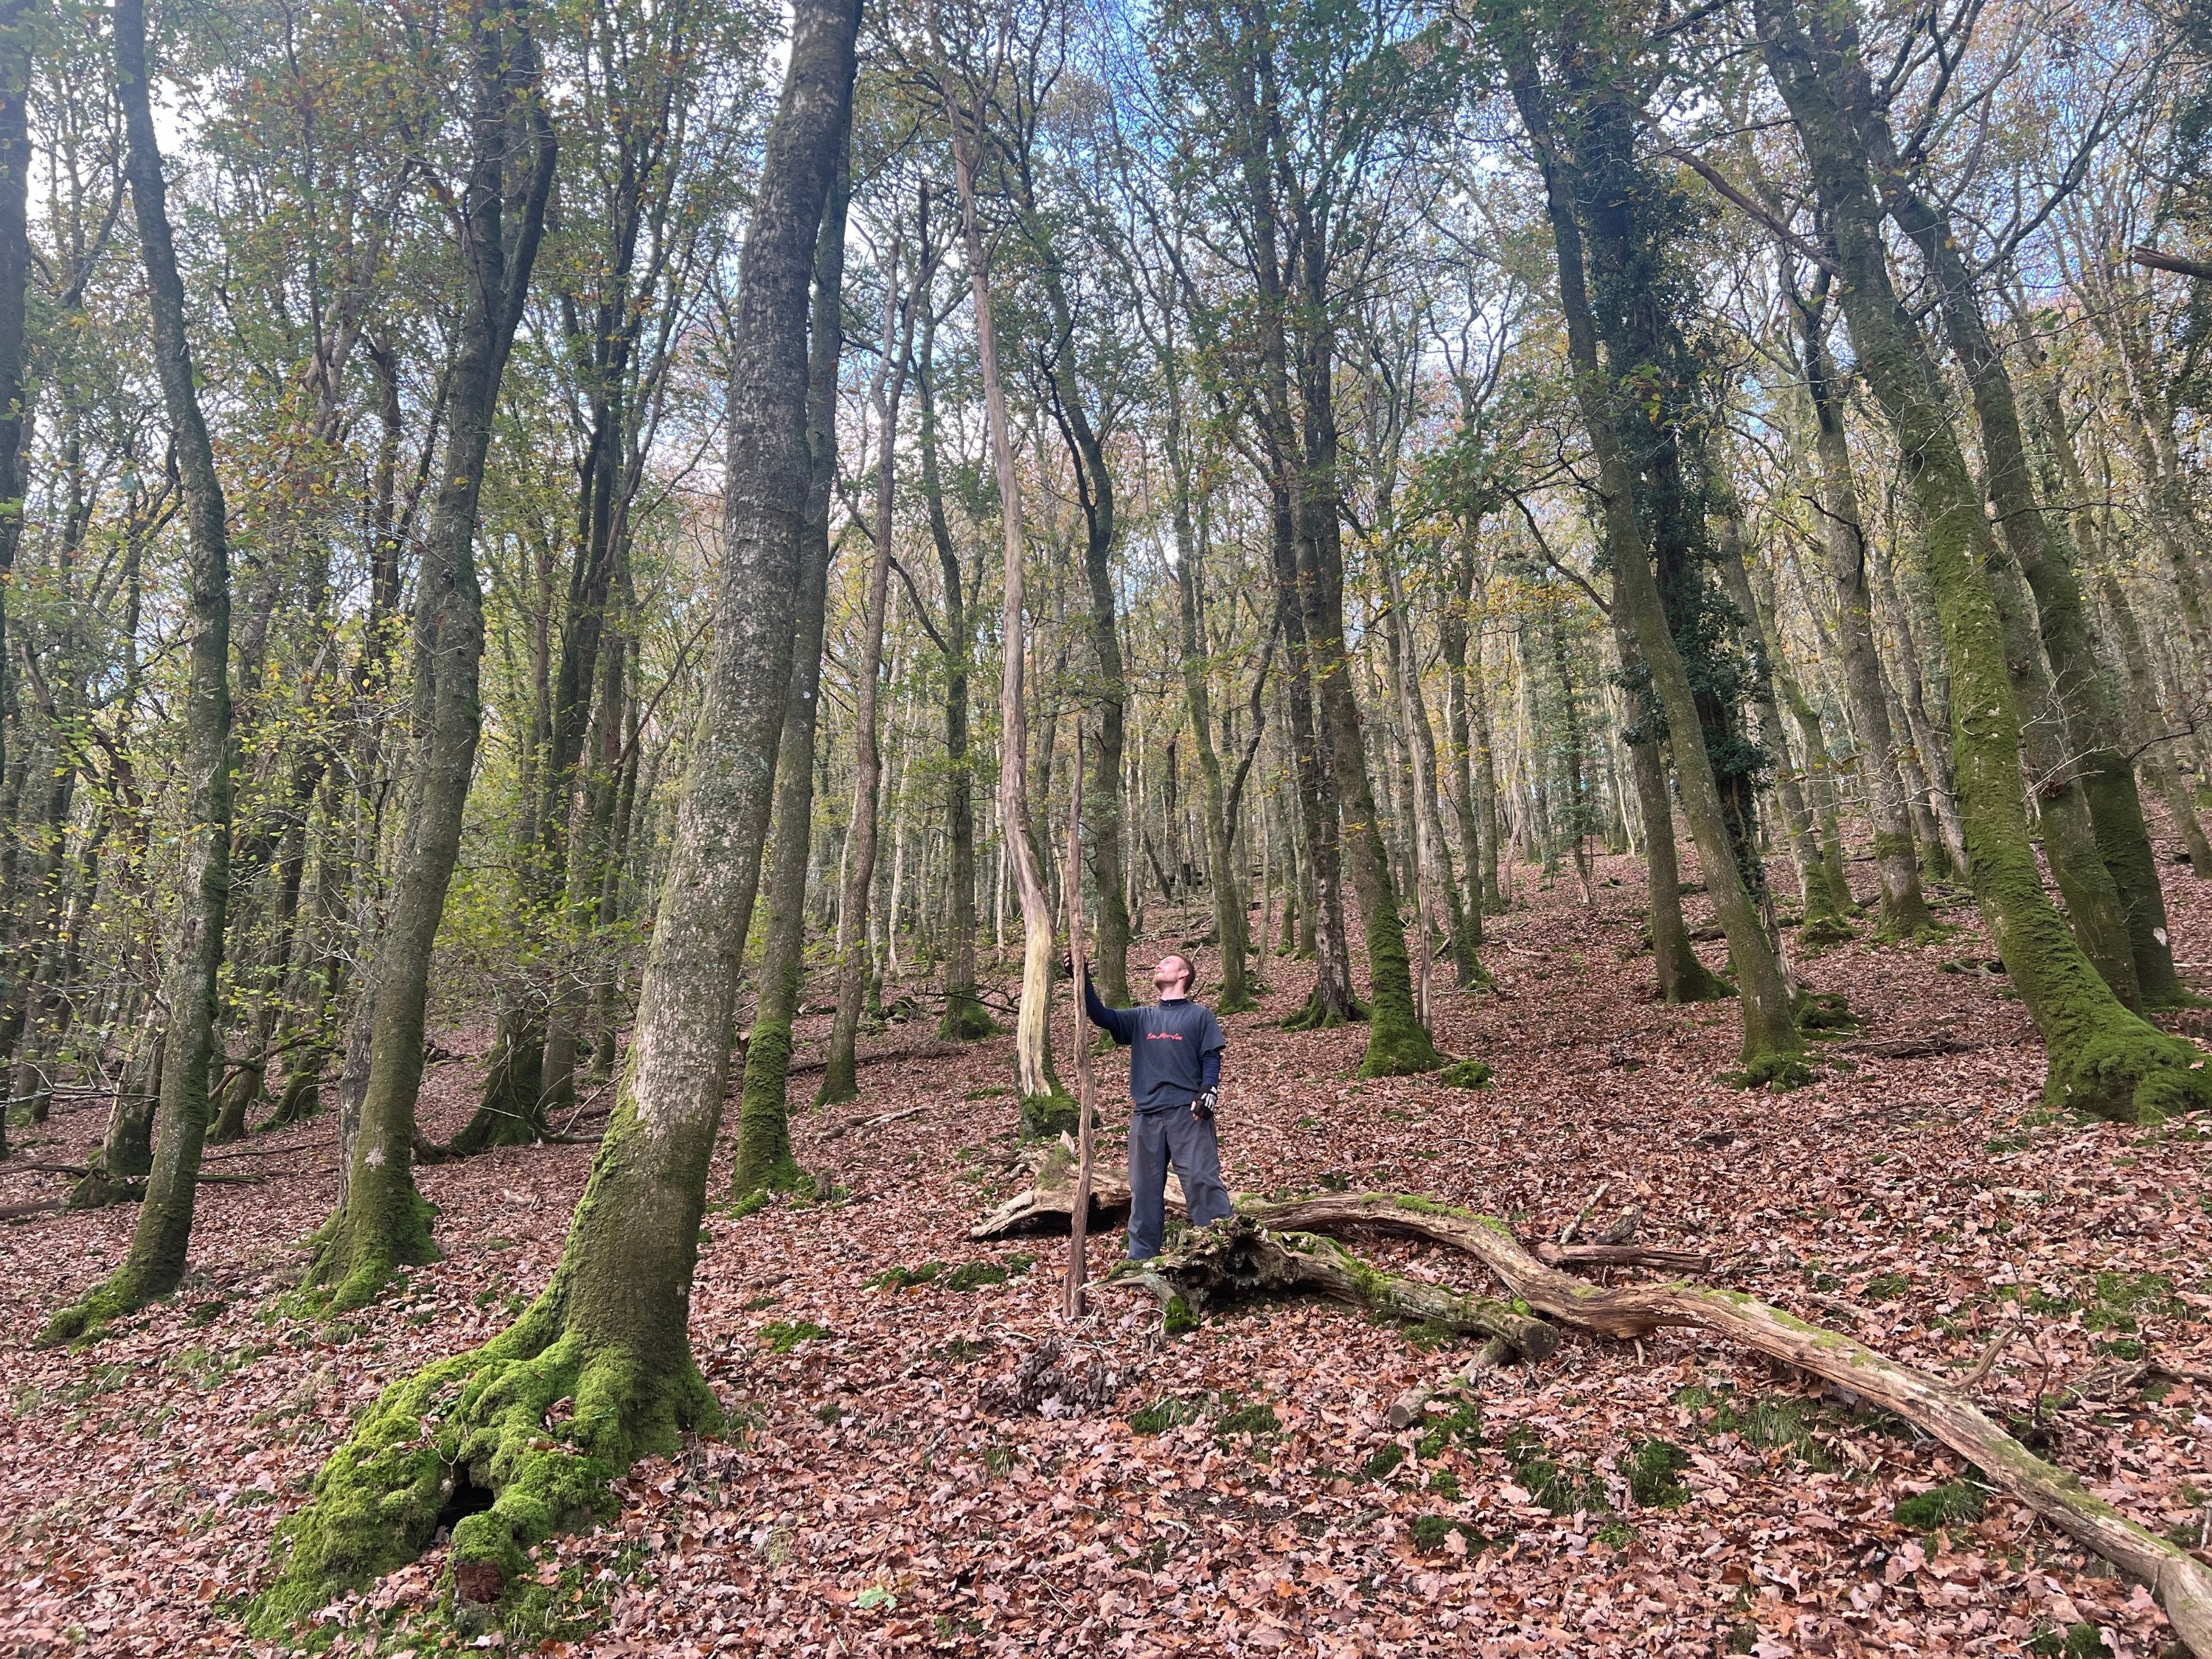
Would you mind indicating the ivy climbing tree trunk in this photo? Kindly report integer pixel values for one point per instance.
(155, 1262)
(382, 1222)
(763, 1157)
(1770, 1039)
(17, 18)
(2103, 1058)
(609, 1335)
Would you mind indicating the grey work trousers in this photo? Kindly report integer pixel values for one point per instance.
(1174, 1134)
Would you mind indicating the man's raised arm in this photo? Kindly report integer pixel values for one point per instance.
(1120, 1024)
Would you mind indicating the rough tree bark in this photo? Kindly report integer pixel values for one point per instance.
(609, 1334)
(156, 1259)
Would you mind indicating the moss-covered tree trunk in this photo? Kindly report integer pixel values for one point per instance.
(609, 1334)
(1466, 796)
(1680, 975)
(155, 1262)
(2103, 1058)
(16, 19)
(763, 1156)
(1397, 1043)
(2095, 740)
(382, 1222)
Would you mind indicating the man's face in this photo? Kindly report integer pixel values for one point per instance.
(1170, 978)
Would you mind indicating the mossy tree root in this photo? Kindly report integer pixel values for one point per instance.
(1317, 1013)
(2181, 1584)
(1398, 1044)
(966, 1020)
(512, 1112)
(383, 1226)
(489, 1421)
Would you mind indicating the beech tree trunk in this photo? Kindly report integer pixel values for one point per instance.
(155, 1262)
(383, 1222)
(610, 1334)
(763, 1157)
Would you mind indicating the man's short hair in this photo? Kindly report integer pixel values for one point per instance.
(1189, 969)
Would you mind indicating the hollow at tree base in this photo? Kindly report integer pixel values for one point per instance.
(383, 1495)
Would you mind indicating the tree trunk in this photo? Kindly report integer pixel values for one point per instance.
(763, 1156)
(965, 1019)
(1770, 1039)
(1904, 911)
(2103, 1058)
(383, 1222)
(2094, 737)
(609, 1334)
(838, 1082)
(2157, 750)
(1681, 976)
(156, 1259)
(1044, 1105)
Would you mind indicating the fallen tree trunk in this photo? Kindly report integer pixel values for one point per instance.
(2182, 1584)
(1047, 1207)
(1624, 1255)
(1235, 1259)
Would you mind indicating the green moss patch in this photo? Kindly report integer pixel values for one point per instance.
(1654, 1468)
(1431, 1532)
(905, 1278)
(781, 1336)
(1466, 1074)
(1954, 1506)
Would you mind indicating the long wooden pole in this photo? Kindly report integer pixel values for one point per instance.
(1078, 1042)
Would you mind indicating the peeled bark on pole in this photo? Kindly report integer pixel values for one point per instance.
(609, 1335)
(156, 1260)
(2181, 1584)
(1043, 1104)
(1078, 1213)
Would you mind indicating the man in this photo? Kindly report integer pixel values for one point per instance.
(1174, 1082)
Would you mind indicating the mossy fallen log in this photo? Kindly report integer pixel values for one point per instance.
(2181, 1582)
(1046, 1206)
(1235, 1260)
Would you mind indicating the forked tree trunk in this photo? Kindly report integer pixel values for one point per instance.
(1043, 1103)
(156, 1259)
(2103, 1059)
(609, 1334)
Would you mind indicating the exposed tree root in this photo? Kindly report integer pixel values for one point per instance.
(2182, 1584)
(1235, 1259)
(1048, 1207)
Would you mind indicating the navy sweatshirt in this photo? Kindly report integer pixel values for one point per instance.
(1175, 1049)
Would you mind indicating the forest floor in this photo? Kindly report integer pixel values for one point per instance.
(1243, 1493)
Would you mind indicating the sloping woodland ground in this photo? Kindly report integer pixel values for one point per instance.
(1242, 1492)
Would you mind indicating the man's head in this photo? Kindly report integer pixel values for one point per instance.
(1173, 977)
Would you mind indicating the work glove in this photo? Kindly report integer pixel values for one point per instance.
(1068, 964)
(1202, 1108)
